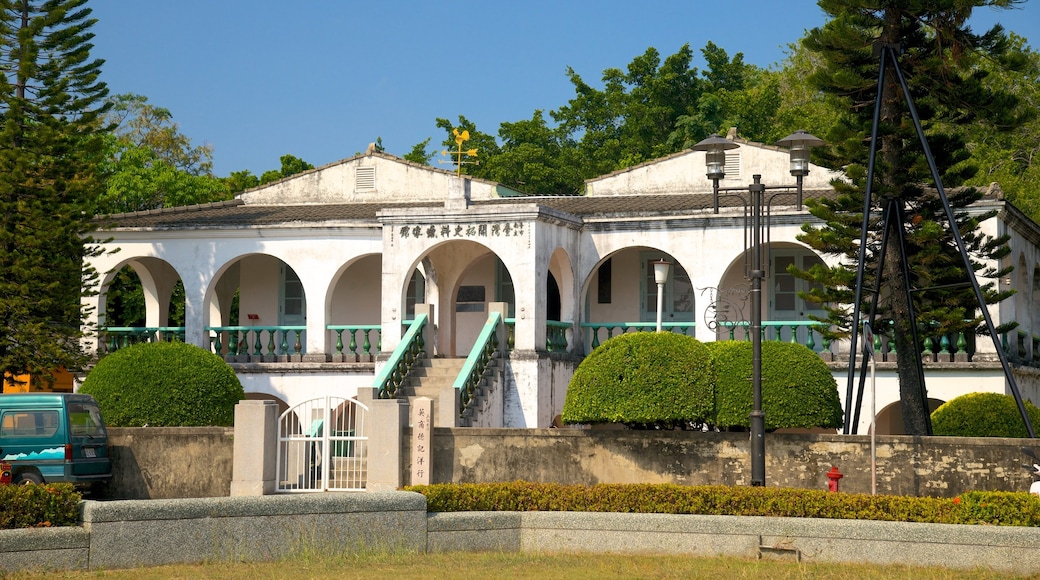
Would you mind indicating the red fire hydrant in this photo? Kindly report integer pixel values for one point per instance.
(833, 476)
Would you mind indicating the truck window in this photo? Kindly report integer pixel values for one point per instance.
(29, 424)
(85, 420)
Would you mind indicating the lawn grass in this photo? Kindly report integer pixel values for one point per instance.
(514, 565)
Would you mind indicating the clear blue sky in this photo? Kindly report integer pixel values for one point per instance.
(321, 79)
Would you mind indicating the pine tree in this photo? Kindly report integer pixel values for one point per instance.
(51, 149)
(934, 43)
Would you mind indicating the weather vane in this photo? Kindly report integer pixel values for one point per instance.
(461, 155)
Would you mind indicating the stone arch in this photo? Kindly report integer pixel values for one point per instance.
(619, 294)
(158, 279)
(462, 277)
(780, 296)
(561, 270)
(890, 419)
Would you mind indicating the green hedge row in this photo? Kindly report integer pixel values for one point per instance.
(668, 380)
(36, 506)
(976, 507)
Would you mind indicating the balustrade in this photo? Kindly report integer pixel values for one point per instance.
(257, 342)
(599, 332)
(114, 338)
(354, 349)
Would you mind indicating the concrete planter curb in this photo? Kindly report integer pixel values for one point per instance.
(1011, 549)
(126, 534)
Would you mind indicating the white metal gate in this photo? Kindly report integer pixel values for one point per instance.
(322, 446)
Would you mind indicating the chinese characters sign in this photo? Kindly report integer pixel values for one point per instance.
(478, 230)
(422, 440)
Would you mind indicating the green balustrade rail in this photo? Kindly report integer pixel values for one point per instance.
(371, 335)
(477, 364)
(599, 332)
(114, 338)
(804, 332)
(556, 335)
(257, 341)
(404, 358)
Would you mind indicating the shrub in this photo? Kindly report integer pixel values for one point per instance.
(976, 507)
(798, 390)
(644, 378)
(983, 415)
(164, 384)
(32, 506)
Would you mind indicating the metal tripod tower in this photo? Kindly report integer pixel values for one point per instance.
(893, 220)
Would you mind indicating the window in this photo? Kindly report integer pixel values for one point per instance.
(42, 424)
(85, 420)
(603, 279)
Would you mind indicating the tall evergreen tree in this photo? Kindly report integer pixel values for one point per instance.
(51, 148)
(934, 44)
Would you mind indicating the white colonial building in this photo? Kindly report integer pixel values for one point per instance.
(330, 270)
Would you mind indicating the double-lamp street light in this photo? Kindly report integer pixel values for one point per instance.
(757, 263)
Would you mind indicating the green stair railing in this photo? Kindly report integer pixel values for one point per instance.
(478, 362)
(408, 353)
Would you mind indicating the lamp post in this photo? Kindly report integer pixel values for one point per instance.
(714, 148)
(661, 268)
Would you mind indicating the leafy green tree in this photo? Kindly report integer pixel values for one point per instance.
(239, 181)
(140, 180)
(144, 125)
(1010, 158)
(419, 154)
(536, 159)
(291, 165)
(51, 149)
(935, 43)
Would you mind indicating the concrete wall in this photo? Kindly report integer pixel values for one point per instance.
(126, 534)
(170, 462)
(936, 466)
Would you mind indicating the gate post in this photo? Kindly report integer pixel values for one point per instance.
(256, 440)
(386, 421)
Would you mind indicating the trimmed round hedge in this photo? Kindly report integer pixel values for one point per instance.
(983, 415)
(643, 379)
(164, 384)
(798, 390)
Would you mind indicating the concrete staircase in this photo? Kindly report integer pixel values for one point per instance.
(435, 378)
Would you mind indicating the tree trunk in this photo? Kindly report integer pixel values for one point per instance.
(911, 384)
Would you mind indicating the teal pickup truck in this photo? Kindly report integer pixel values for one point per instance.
(54, 437)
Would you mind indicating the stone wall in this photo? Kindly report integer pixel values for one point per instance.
(932, 466)
(170, 462)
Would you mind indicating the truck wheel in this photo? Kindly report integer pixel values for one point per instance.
(26, 477)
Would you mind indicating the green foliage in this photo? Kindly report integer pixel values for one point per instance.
(644, 378)
(141, 180)
(988, 508)
(51, 149)
(983, 415)
(38, 506)
(291, 165)
(798, 390)
(164, 384)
